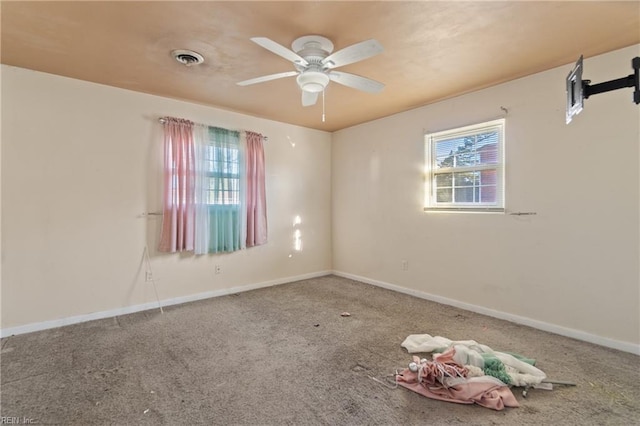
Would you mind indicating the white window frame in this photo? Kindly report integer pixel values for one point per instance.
(228, 180)
(431, 169)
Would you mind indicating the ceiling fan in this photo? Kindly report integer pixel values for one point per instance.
(314, 62)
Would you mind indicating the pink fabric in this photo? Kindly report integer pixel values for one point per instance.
(256, 194)
(428, 381)
(178, 214)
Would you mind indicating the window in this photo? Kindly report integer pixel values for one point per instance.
(465, 168)
(222, 182)
(214, 197)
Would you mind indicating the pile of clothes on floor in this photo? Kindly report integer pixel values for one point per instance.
(466, 372)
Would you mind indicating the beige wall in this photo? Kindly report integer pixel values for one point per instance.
(573, 265)
(80, 163)
(79, 166)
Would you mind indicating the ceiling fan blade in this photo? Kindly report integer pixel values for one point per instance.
(354, 53)
(280, 50)
(309, 98)
(356, 82)
(267, 78)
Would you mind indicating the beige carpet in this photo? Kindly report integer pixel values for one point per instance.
(284, 355)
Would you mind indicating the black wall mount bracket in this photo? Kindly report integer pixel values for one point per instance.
(632, 80)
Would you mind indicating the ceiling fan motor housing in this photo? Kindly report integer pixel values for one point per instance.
(313, 81)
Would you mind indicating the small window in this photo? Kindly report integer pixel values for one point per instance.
(222, 172)
(465, 168)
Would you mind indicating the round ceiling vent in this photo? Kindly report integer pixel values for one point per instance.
(187, 57)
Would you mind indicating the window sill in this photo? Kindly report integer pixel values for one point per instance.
(493, 210)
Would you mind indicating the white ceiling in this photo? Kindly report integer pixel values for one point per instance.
(432, 50)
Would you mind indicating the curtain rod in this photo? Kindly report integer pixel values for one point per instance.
(163, 119)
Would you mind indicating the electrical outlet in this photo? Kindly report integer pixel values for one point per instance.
(148, 276)
(218, 269)
(405, 265)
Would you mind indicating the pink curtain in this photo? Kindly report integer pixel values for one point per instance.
(256, 196)
(178, 215)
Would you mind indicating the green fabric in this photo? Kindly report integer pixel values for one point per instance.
(224, 226)
(495, 368)
(225, 172)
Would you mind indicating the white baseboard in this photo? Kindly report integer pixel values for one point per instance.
(540, 325)
(29, 328)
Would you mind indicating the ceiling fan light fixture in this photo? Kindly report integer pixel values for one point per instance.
(313, 81)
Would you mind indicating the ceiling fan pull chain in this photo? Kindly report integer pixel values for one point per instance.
(323, 106)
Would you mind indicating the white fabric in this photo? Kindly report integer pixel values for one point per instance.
(426, 343)
(466, 356)
(202, 235)
(473, 371)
